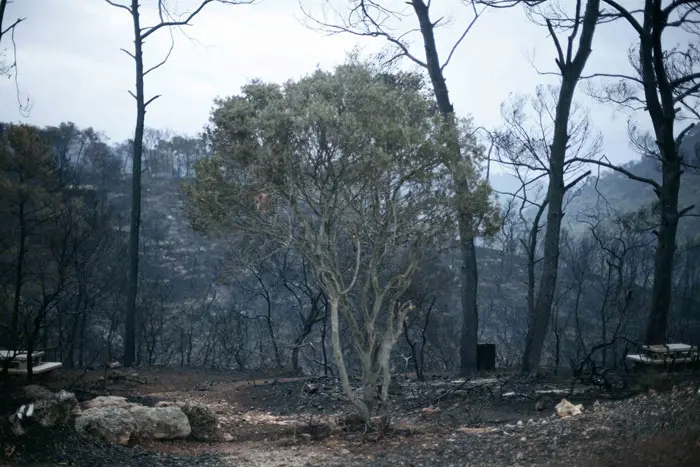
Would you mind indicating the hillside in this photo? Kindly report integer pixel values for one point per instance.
(612, 193)
(620, 194)
(174, 254)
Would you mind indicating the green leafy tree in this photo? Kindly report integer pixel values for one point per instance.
(347, 169)
(475, 215)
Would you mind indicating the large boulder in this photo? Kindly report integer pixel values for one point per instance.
(113, 424)
(202, 421)
(118, 421)
(101, 402)
(160, 422)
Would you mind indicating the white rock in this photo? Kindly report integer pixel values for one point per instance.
(567, 409)
(113, 424)
(107, 401)
(161, 422)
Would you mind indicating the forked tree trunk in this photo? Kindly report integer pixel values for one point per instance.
(334, 302)
(469, 276)
(660, 96)
(571, 69)
(661, 107)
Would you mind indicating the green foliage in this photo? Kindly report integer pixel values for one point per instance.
(352, 170)
(330, 142)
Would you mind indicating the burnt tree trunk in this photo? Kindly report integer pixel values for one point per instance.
(660, 104)
(469, 276)
(19, 276)
(134, 230)
(570, 69)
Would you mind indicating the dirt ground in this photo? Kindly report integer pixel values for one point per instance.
(487, 421)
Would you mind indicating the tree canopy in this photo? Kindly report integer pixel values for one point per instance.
(347, 168)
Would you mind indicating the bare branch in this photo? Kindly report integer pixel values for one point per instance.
(560, 61)
(24, 108)
(151, 100)
(675, 4)
(11, 27)
(128, 53)
(167, 56)
(612, 75)
(621, 170)
(461, 38)
(114, 4)
(576, 180)
(686, 210)
(150, 30)
(627, 14)
(378, 32)
(684, 79)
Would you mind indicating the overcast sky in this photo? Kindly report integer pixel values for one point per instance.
(71, 66)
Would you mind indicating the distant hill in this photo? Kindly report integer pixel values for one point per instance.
(173, 254)
(620, 194)
(615, 193)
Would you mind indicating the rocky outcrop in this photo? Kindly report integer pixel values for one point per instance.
(101, 402)
(113, 424)
(203, 422)
(160, 422)
(117, 421)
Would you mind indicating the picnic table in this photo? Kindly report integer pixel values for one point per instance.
(18, 362)
(666, 355)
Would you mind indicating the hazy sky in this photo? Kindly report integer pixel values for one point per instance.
(71, 66)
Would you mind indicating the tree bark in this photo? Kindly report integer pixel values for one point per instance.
(469, 277)
(571, 70)
(660, 104)
(19, 279)
(657, 323)
(132, 286)
(340, 360)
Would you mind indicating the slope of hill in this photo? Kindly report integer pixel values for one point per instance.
(616, 193)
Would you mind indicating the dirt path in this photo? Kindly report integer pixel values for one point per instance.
(281, 422)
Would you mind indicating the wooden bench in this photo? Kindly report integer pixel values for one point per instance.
(18, 362)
